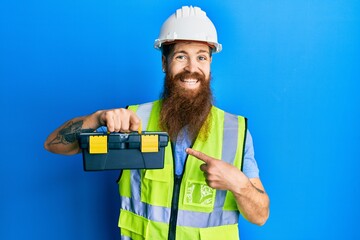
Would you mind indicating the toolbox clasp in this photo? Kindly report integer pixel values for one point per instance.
(149, 143)
(98, 144)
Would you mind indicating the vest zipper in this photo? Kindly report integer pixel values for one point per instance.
(175, 199)
(174, 208)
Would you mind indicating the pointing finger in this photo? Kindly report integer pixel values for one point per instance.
(199, 155)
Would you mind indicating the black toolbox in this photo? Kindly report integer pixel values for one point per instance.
(114, 151)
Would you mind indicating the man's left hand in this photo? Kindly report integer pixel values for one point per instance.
(219, 174)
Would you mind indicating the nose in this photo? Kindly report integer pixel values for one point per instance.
(191, 65)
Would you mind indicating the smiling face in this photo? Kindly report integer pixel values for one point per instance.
(188, 64)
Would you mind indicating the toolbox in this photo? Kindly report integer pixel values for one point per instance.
(113, 151)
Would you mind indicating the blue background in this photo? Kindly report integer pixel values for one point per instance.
(291, 67)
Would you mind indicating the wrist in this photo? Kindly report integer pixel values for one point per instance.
(244, 185)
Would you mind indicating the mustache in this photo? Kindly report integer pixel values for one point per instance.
(187, 75)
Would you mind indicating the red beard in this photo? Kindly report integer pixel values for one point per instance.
(186, 107)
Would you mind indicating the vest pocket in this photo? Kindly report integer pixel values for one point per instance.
(132, 225)
(160, 175)
(228, 232)
(199, 194)
(155, 186)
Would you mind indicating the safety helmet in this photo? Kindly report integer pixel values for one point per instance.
(188, 23)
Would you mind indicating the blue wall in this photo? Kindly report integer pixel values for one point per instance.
(291, 67)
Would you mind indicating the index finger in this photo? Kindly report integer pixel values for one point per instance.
(199, 155)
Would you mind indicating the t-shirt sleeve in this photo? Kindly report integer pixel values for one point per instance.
(250, 167)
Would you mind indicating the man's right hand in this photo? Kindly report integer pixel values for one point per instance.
(119, 120)
(64, 139)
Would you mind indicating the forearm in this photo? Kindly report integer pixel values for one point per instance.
(253, 202)
(64, 140)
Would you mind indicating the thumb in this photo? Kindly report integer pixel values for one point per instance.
(135, 122)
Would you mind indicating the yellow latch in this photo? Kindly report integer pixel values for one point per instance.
(149, 143)
(98, 144)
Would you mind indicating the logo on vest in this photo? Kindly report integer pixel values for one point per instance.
(199, 194)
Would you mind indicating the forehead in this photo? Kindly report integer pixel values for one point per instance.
(191, 47)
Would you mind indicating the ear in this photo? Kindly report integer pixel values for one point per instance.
(163, 61)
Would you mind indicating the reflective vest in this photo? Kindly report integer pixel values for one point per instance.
(156, 204)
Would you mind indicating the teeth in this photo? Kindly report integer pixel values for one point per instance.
(190, 82)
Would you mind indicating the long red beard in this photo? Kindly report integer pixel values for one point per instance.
(185, 107)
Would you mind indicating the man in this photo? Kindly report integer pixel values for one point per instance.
(210, 174)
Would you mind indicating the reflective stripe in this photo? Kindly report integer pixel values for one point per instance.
(203, 220)
(135, 181)
(229, 146)
(154, 213)
(125, 238)
(162, 214)
(143, 113)
(230, 139)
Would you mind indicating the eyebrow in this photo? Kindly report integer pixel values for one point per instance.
(200, 51)
(203, 51)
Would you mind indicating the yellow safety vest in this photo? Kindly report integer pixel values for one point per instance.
(155, 204)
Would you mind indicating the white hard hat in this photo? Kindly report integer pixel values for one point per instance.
(188, 23)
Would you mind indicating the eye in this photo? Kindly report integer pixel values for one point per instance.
(180, 57)
(202, 58)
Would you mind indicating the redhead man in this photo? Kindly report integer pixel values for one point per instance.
(210, 175)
